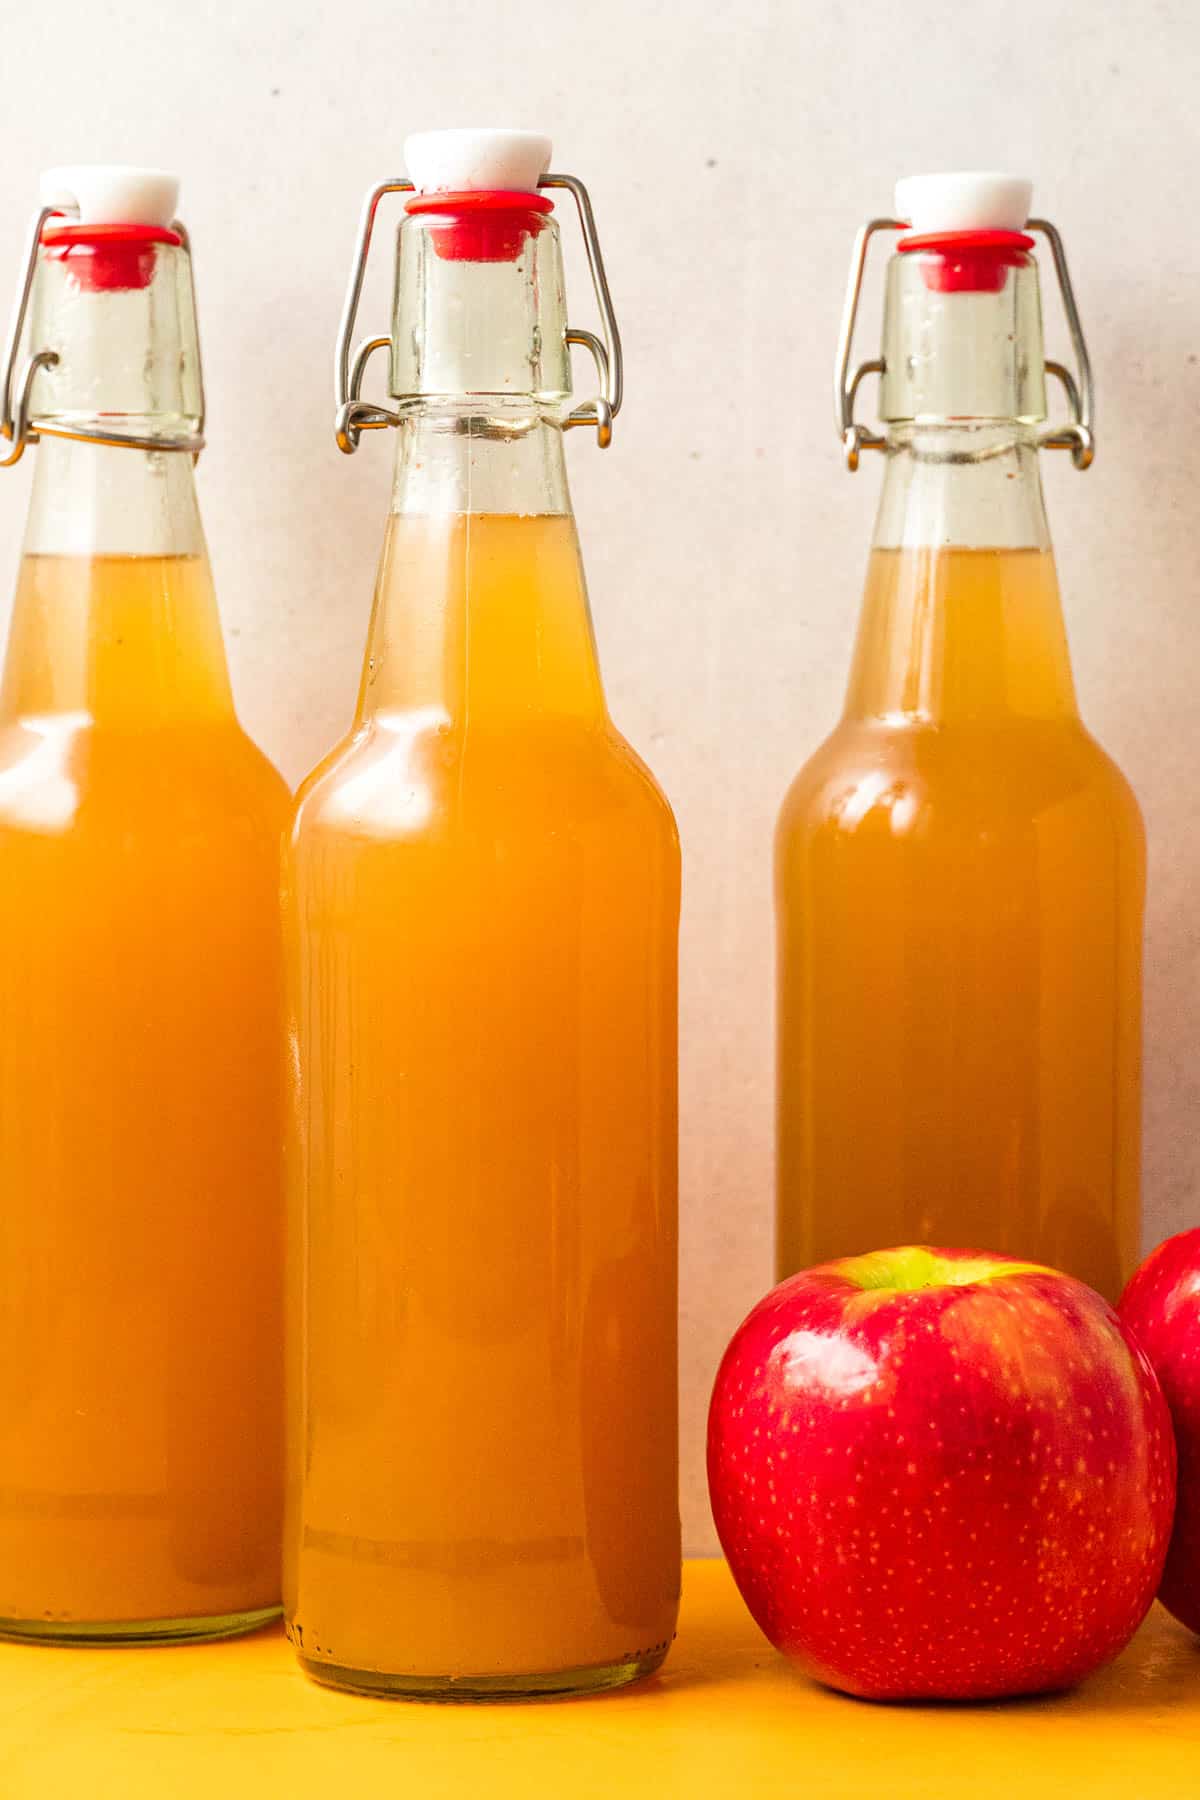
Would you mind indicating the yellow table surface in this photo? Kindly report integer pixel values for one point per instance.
(726, 1716)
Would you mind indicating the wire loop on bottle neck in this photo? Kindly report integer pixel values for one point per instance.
(354, 415)
(1077, 436)
(18, 424)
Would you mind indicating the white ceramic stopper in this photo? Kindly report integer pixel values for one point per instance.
(969, 201)
(454, 162)
(112, 193)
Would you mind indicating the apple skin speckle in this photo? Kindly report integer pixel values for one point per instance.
(959, 1490)
(1161, 1306)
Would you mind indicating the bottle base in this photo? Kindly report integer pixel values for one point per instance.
(557, 1684)
(131, 1632)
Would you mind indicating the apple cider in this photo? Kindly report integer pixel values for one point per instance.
(140, 1001)
(482, 893)
(960, 866)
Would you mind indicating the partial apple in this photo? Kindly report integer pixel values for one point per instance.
(939, 1474)
(1161, 1306)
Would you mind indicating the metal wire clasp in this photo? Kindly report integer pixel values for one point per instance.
(15, 392)
(354, 415)
(1078, 436)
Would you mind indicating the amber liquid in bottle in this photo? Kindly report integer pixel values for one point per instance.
(482, 911)
(960, 873)
(960, 867)
(140, 1216)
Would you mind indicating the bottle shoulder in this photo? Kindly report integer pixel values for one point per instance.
(969, 778)
(1110, 772)
(412, 779)
(262, 780)
(643, 780)
(64, 771)
(355, 750)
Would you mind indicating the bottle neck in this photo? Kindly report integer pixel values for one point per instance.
(481, 614)
(961, 619)
(94, 500)
(479, 313)
(973, 484)
(114, 620)
(119, 327)
(452, 460)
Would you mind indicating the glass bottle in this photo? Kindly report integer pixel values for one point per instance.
(140, 1008)
(960, 866)
(482, 896)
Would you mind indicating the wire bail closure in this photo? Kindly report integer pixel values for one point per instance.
(1078, 436)
(355, 415)
(15, 392)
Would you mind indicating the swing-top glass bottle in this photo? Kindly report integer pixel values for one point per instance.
(482, 913)
(140, 1192)
(960, 866)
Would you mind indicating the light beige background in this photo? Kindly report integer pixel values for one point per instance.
(731, 152)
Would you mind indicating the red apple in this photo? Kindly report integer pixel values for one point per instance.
(941, 1474)
(1161, 1306)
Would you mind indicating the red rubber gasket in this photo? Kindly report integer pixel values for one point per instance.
(967, 262)
(966, 240)
(482, 224)
(110, 257)
(480, 200)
